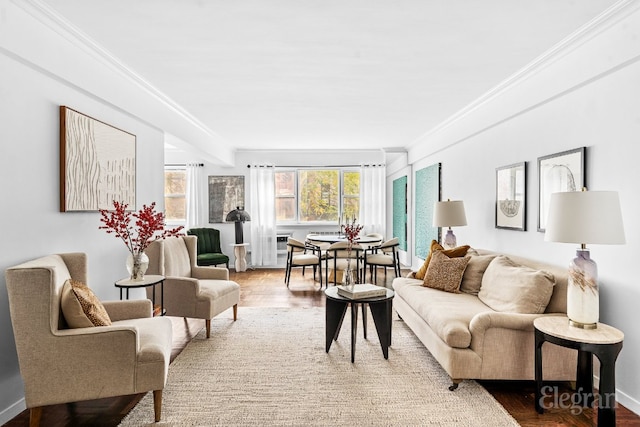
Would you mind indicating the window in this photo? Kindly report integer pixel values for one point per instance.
(175, 189)
(316, 195)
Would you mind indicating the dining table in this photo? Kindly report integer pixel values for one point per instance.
(333, 238)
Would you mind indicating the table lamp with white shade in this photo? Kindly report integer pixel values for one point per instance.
(583, 217)
(449, 214)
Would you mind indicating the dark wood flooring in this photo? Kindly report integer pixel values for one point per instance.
(265, 287)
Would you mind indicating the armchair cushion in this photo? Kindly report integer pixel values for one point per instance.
(81, 307)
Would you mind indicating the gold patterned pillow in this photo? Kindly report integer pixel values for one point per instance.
(81, 307)
(458, 251)
(445, 273)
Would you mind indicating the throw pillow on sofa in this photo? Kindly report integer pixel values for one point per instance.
(472, 277)
(81, 307)
(510, 287)
(445, 273)
(459, 251)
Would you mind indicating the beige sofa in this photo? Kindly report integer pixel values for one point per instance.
(472, 340)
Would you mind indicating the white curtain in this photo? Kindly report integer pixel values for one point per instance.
(194, 196)
(263, 216)
(373, 199)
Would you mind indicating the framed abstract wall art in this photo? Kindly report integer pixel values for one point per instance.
(97, 163)
(511, 197)
(225, 194)
(427, 185)
(564, 171)
(400, 211)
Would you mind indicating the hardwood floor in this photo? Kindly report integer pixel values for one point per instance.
(266, 288)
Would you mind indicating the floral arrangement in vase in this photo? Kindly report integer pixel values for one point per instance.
(138, 236)
(351, 232)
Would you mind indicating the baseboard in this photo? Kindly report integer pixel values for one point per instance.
(12, 411)
(622, 398)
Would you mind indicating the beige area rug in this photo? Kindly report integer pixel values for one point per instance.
(270, 368)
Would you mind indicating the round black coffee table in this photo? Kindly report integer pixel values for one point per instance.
(381, 310)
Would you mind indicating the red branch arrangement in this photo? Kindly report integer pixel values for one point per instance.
(351, 231)
(147, 221)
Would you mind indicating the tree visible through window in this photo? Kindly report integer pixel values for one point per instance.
(175, 189)
(317, 195)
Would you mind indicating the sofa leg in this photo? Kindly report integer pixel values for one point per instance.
(235, 312)
(157, 404)
(35, 414)
(456, 383)
(207, 324)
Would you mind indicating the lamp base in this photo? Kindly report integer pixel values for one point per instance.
(583, 325)
(239, 233)
(450, 240)
(582, 292)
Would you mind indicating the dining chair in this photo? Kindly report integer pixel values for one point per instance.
(336, 260)
(383, 255)
(303, 254)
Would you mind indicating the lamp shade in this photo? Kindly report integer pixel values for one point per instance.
(449, 214)
(238, 215)
(585, 217)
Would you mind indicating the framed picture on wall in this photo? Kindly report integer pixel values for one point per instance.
(564, 171)
(225, 194)
(428, 192)
(97, 164)
(511, 197)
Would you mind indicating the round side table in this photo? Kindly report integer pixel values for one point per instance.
(381, 309)
(605, 342)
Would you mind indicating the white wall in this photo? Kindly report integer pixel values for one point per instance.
(32, 224)
(584, 94)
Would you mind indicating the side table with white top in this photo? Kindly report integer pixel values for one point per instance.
(146, 281)
(605, 342)
(240, 252)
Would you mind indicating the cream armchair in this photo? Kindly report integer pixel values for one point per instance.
(59, 364)
(190, 290)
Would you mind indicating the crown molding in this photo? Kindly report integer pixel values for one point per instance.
(60, 25)
(607, 18)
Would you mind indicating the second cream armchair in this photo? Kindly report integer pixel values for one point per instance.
(190, 290)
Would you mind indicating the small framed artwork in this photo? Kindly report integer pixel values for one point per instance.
(560, 172)
(511, 197)
(97, 164)
(225, 194)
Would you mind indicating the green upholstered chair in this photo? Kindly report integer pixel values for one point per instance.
(209, 251)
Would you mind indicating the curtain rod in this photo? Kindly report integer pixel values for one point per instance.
(185, 164)
(317, 166)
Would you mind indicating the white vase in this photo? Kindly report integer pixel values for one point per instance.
(137, 265)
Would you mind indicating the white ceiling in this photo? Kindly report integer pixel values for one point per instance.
(326, 74)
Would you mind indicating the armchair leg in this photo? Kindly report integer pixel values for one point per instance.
(35, 414)
(207, 324)
(157, 404)
(235, 312)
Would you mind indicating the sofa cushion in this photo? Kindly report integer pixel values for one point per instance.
(459, 251)
(445, 273)
(472, 277)
(510, 287)
(447, 314)
(81, 307)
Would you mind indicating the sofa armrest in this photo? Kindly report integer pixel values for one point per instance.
(128, 309)
(484, 321)
(210, 273)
